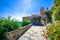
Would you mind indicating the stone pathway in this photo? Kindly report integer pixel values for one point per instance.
(34, 33)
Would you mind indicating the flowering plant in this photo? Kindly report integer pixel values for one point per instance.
(53, 31)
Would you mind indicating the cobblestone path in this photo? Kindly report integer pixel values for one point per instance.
(34, 33)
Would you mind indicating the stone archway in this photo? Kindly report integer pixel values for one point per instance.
(37, 21)
(45, 20)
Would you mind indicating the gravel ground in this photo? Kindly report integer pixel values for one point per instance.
(34, 33)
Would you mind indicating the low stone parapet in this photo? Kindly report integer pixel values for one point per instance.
(13, 35)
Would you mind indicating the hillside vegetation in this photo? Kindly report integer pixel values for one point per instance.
(7, 25)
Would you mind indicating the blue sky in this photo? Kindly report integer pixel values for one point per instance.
(19, 8)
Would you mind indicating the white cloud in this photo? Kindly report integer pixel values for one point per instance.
(26, 5)
(17, 16)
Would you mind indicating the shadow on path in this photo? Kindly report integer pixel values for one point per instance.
(38, 24)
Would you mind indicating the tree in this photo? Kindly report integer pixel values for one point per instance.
(49, 14)
(56, 4)
(36, 18)
(56, 14)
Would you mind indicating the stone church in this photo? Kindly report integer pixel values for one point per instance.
(37, 19)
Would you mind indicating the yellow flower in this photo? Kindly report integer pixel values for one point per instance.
(48, 33)
(47, 28)
(55, 31)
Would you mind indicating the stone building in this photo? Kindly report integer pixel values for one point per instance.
(37, 19)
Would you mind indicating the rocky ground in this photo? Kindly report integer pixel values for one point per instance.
(34, 33)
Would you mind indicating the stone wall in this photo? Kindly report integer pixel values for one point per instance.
(14, 35)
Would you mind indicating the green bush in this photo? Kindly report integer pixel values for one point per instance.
(56, 14)
(49, 14)
(7, 25)
(53, 32)
(36, 18)
(26, 22)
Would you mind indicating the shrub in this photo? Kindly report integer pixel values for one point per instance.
(7, 25)
(36, 18)
(26, 22)
(56, 14)
(49, 14)
(53, 32)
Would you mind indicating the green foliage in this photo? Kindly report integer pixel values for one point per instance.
(43, 20)
(54, 30)
(56, 14)
(36, 18)
(56, 4)
(49, 14)
(26, 22)
(7, 25)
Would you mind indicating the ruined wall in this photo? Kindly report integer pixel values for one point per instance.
(13, 35)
